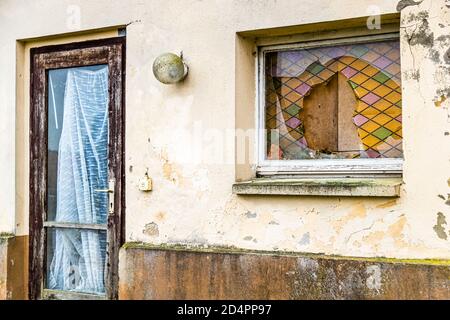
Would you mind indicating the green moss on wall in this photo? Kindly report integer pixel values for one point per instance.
(234, 250)
(5, 236)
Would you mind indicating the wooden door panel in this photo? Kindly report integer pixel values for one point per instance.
(110, 52)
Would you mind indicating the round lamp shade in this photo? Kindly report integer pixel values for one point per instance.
(169, 68)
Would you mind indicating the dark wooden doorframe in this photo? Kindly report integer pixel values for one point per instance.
(105, 51)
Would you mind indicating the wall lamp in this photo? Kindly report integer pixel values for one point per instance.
(170, 68)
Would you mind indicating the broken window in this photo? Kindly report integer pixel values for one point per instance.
(333, 102)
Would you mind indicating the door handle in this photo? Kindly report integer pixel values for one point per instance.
(110, 192)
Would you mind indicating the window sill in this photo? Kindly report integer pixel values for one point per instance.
(342, 187)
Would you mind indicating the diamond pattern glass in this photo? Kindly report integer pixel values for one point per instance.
(372, 71)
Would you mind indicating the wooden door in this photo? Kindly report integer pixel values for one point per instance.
(77, 124)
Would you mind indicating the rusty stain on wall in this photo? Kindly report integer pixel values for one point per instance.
(160, 216)
(387, 204)
(374, 237)
(357, 211)
(170, 170)
(396, 229)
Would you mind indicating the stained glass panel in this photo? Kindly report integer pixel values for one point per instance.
(337, 102)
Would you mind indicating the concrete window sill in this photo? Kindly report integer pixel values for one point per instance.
(342, 187)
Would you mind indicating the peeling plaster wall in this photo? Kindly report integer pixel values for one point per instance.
(426, 89)
(192, 202)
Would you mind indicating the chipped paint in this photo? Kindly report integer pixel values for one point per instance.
(387, 204)
(440, 100)
(422, 34)
(439, 228)
(250, 215)
(396, 229)
(151, 230)
(305, 240)
(374, 280)
(402, 4)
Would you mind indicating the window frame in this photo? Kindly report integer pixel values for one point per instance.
(328, 167)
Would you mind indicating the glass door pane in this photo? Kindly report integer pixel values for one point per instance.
(76, 260)
(78, 134)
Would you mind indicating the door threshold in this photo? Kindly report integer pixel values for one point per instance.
(49, 294)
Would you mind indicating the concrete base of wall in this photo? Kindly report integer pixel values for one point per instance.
(149, 272)
(13, 267)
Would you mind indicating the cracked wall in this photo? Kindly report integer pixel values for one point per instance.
(426, 73)
(192, 203)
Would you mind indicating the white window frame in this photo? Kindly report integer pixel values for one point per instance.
(326, 167)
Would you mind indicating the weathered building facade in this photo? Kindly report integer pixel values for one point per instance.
(222, 220)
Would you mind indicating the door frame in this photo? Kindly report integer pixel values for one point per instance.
(109, 51)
